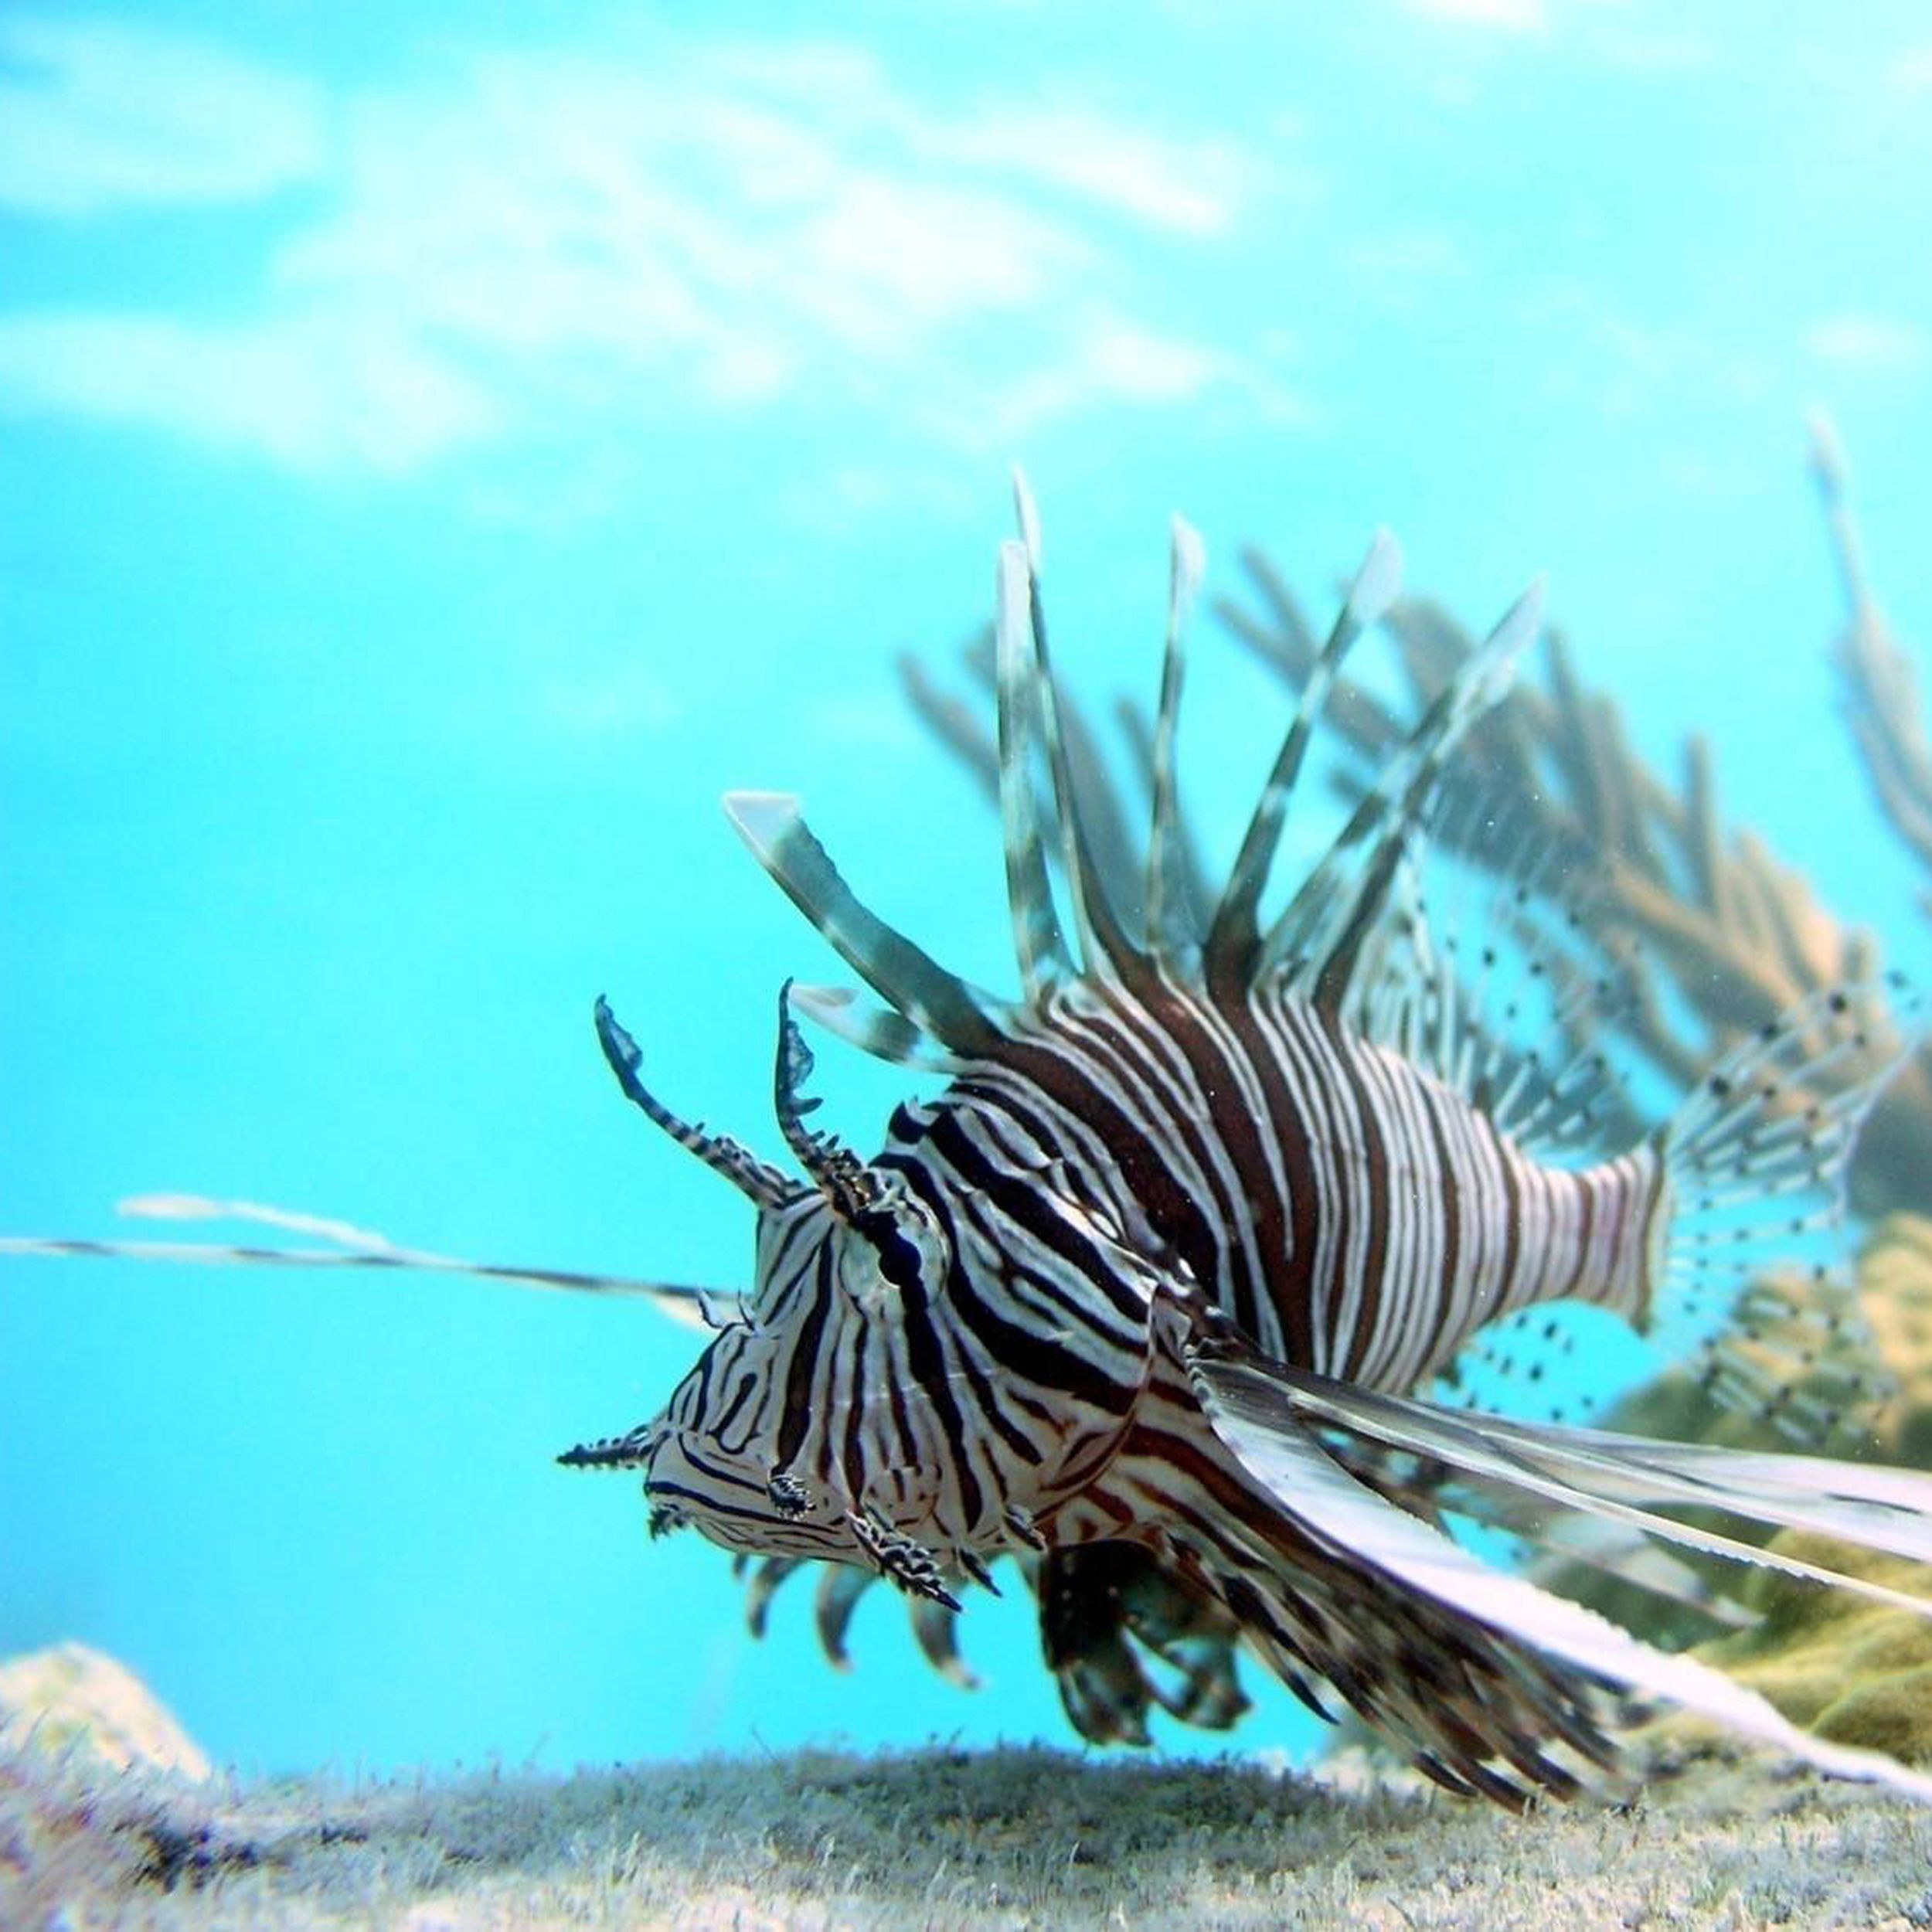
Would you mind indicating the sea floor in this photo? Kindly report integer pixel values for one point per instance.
(945, 1838)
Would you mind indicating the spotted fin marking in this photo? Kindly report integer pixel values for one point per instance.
(1754, 1168)
(1261, 1415)
(1332, 935)
(1509, 1000)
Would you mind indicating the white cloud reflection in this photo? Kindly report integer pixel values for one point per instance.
(96, 116)
(531, 237)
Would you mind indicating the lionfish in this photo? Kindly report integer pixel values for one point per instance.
(1164, 1294)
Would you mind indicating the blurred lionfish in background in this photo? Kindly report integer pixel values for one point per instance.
(1169, 1294)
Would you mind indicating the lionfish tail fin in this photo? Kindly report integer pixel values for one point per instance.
(352, 1248)
(1741, 1276)
(1322, 1449)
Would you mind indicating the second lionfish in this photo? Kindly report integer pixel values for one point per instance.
(1164, 1293)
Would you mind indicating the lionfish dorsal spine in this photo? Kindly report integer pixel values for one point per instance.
(1170, 930)
(1106, 949)
(880, 1030)
(1038, 945)
(1233, 943)
(959, 1016)
(1325, 935)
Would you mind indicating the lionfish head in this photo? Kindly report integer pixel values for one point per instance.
(743, 1452)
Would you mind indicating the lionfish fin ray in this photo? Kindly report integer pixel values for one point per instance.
(840, 1587)
(850, 1187)
(1261, 1417)
(1754, 1168)
(1170, 931)
(694, 1308)
(1330, 938)
(936, 1630)
(1039, 943)
(1626, 1480)
(1104, 946)
(1493, 979)
(879, 1031)
(1233, 938)
(959, 1016)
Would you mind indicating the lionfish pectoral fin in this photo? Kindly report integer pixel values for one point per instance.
(1597, 1475)
(1268, 1417)
(355, 1248)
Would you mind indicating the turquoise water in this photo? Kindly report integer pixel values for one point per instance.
(438, 462)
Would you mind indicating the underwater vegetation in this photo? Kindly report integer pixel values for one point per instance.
(994, 1838)
(1213, 1288)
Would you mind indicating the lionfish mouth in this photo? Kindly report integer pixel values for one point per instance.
(637, 1450)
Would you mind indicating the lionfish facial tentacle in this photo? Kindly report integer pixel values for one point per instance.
(902, 1561)
(847, 1183)
(752, 1177)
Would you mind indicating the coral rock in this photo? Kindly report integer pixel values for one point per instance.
(70, 1698)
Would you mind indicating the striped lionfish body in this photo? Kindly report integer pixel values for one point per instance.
(1144, 1297)
(1161, 1294)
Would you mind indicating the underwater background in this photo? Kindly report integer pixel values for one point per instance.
(440, 452)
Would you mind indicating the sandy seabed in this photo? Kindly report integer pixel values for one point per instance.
(942, 1838)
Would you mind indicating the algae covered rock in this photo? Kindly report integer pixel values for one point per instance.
(1894, 1297)
(70, 1698)
(1847, 1668)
